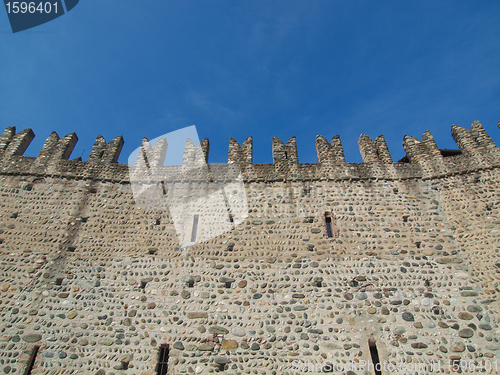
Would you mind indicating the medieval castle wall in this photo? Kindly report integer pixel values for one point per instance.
(93, 284)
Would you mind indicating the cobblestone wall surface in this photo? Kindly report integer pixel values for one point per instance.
(333, 260)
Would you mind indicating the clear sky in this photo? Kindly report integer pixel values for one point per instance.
(261, 68)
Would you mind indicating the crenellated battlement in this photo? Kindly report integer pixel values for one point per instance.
(242, 267)
(424, 159)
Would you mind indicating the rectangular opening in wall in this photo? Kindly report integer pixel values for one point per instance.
(455, 363)
(306, 190)
(124, 365)
(162, 367)
(195, 227)
(375, 357)
(328, 222)
(31, 361)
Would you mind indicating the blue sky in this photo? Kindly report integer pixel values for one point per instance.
(259, 68)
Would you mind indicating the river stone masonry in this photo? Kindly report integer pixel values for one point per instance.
(334, 259)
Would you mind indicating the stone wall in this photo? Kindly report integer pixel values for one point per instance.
(97, 284)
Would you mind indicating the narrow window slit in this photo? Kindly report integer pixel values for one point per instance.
(328, 222)
(31, 362)
(195, 227)
(375, 357)
(306, 190)
(226, 203)
(162, 367)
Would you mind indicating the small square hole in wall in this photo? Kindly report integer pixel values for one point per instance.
(92, 191)
(152, 251)
(71, 249)
(417, 244)
(124, 365)
(455, 364)
(319, 283)
(84, 219)
(59, 280)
